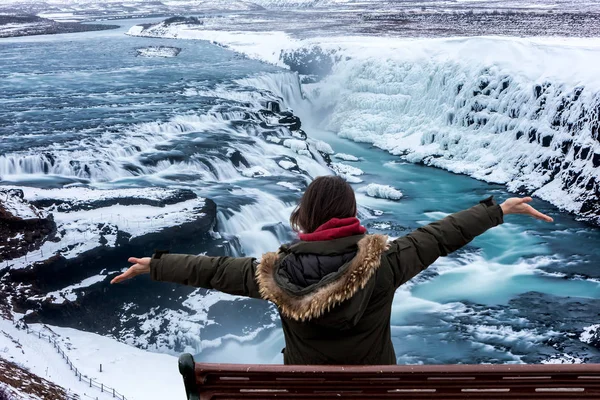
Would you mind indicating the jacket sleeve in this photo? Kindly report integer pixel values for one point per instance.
(230, 275)
(411, 254)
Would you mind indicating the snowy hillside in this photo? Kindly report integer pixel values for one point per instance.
(149, 375)
(17, 383)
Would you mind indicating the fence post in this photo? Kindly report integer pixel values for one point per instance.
(102, 387)
(113, 392)
(90, 382)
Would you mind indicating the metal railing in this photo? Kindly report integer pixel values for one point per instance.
(82, 378)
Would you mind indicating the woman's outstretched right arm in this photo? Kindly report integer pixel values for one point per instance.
(411, 254)
(232, 275)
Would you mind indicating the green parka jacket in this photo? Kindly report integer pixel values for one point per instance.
(334, 297)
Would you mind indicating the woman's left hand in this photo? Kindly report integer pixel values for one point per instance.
(516, 205)
(140, 266)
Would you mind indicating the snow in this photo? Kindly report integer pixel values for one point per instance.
(8, 29)
(563, 359)
(323, 147)
(82, 195)
(381, 191)
(382, 225)
(265, 45)
(346, 157)
(102, 223)
(285, 164)
(347, 172)
(59, 296)
(17, 207)
(295, 144)
(159, 51)
(590, 333)
(135, 373)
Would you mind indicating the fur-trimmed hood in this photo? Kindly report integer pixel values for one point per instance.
(333, 289)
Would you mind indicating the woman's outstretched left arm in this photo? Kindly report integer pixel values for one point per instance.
(411, 254)
(232, 275)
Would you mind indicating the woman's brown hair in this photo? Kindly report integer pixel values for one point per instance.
(325, 198)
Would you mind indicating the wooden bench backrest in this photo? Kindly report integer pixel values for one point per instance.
(240, 381)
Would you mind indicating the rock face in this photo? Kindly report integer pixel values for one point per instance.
(23, 227)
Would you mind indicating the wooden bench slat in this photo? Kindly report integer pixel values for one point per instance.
(238, 381)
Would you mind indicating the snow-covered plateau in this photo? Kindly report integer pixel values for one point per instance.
(28, 25)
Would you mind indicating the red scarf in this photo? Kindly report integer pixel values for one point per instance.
(335, 228)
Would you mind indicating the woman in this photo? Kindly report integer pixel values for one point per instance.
(334, 287)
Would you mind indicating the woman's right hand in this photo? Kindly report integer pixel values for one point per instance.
(140, 266)
(516, 205)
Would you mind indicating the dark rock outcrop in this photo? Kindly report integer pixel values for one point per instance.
(23, 227)
(183, 20)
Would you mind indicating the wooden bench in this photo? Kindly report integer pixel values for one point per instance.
(508, 381)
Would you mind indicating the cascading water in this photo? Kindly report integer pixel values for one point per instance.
(537, 135)
(466, 117)
(503, 111)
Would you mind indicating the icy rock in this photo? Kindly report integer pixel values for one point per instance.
(323, 147)
(381, 191)
(158, 51)
(293, 123)
(346, 157)
(348, 172)
(238, 159)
